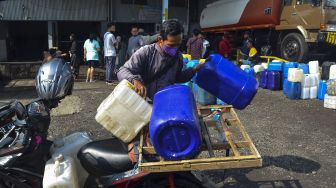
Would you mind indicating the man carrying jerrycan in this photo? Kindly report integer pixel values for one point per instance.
(158, 65)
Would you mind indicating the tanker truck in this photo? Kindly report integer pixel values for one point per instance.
(291, 28)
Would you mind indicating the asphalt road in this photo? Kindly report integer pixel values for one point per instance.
(295, 138)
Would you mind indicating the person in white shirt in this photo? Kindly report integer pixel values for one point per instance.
(110, 52)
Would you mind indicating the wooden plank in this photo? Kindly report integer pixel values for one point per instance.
(229, 138)
(242, 144)
(205, 134)
(204, 166)
(252, 147)
(205, 160)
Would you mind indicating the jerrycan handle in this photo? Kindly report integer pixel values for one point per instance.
(57, 169)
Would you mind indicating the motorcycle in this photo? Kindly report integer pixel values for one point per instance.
(24, 151)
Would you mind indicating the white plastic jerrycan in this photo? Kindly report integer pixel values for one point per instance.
(69, 146)
(60, 173)
(124, 113)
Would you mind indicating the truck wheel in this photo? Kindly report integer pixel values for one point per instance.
(294, 47)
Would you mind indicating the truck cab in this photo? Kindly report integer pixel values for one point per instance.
(291, 27)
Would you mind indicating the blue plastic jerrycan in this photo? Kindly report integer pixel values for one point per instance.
(192, 64)
(249, 71)
(174, 125)
(288, 65)
(227, 82)
(293, 90)
(304, 67)
(322, 90)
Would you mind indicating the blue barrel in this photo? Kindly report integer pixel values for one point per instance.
(322, 89)
(174, 125)
(288, 65)
(285, 86)
(263, 79)
(293, 90)
(275, 66)
(304, 67)
(227, 82)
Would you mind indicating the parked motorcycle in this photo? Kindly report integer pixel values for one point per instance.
(24, 148)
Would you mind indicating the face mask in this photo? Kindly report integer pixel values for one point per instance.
(169, 50)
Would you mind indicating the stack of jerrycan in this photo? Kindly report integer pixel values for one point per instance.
(64, 168)
(286, 67)
(314, 70)
(293, 85)
(227, 82)
(271, 78)
(330, 97)
(124, 102)
(309, 87)
(174, 125)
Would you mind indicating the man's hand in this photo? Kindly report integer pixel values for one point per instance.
(140, 88)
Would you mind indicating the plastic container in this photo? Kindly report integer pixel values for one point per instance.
(124, 113)
(264, 65)
(273, 80)
(243, 67)
(294, 90)
(69, 146)
(288, 65)
(313, 92)
(275, 66)
(220, 102)
(258, 68)
(305, 93)
(60, 173)
(331, 87)
(285, 87)
(174, 126)
(227, 82)
(307, 80)
(329, 101)
(326, 69)
(313, 67)
(322, 90)
(203, 97)
(315, 79)
(295, 75)
(304, 67)
(187, 56)
(263, 79)
(249, 71)
(332, 73)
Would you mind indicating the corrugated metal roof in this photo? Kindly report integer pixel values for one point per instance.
(81, 10)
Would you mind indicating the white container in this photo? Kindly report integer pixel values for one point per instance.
(295, 75)
(313, 92)
(258, 68)
(329, 101)
(305, 93)
(69, 146)
(124, 113)
(316, 79)
(332, 73)
(307, 81)
(264, 65)
(243, 67)
(313, 67)
(60, 173)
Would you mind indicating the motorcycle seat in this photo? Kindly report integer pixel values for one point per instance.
(105, 157)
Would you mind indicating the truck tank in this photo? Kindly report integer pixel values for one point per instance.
(240, 14)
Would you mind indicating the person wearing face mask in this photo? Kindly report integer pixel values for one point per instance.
(158, 65)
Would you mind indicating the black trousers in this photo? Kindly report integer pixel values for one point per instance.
(75, 63)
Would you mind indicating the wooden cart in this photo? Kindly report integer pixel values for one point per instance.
(226, 145)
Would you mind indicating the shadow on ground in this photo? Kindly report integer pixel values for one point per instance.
(238, 178)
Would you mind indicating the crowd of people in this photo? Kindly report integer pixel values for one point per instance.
(111, 53)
